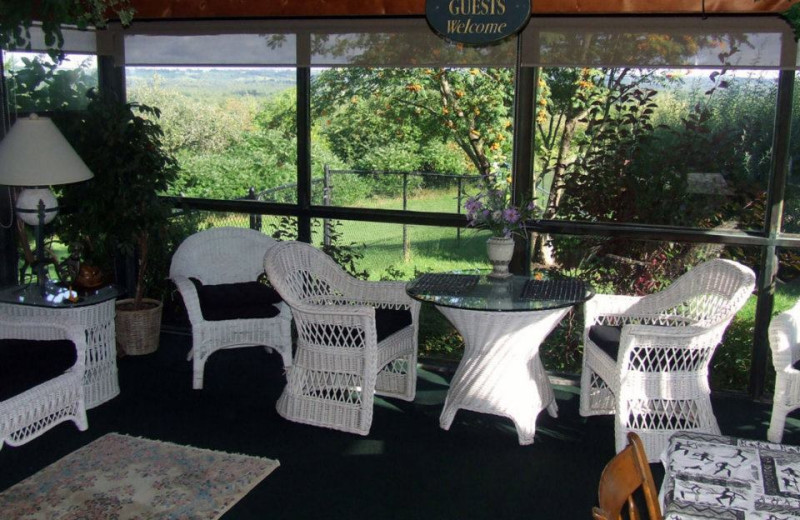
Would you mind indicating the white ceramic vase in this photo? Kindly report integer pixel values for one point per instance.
(500, 250)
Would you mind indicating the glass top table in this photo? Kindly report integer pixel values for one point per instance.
(503, 322)
(474, 290)
(56, 296)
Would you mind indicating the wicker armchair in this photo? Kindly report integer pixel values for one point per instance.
(41, 379)
(784, 340)
(216, 272)
(355, 339)
(646, 358)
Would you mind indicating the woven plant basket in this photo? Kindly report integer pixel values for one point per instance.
(138, 331)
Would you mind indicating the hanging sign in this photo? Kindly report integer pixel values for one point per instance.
(477, 22)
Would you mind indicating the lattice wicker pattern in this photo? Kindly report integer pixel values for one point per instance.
(30, 414)
(784, 340)
(100, 380)
(221, 256)
(339, 364)
(659, 382)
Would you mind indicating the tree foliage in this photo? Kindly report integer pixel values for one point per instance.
(40, 84)
(471, 108)
(119, 209)
(18, 16)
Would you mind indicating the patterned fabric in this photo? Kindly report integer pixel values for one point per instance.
(711, 476)
(122, 477)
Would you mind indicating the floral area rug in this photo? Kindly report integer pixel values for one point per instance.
(123, 477)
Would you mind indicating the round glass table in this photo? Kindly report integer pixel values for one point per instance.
(502, 322)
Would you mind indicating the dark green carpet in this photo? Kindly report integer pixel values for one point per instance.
(407, 467)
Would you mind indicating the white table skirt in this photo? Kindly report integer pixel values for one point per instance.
(501, 372)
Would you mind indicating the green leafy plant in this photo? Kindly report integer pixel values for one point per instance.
(17, 17)
(119, 210)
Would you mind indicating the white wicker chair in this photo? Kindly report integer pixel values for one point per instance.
(646, 358)
(784, 340)
(227, 255)
(345, 353)
(36, 410)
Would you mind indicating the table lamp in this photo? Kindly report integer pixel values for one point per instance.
(35, 154)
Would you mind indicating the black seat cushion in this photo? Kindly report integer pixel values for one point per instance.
(607, 338)
(25, 364)
(237, 301)
(389, 321)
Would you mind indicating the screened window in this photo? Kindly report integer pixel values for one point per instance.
(665, 122)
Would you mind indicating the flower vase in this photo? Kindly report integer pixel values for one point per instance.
(500, 250)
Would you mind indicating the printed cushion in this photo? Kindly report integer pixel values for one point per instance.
(25, 364)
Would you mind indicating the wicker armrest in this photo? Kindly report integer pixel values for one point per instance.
(41, 331)
(378, 293)
(191, 299)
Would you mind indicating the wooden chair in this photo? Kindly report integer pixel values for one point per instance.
(623, 475)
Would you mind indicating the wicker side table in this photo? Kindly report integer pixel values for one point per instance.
(93, 311)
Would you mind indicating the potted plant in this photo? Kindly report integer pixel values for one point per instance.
(119, 211)
(493, 209)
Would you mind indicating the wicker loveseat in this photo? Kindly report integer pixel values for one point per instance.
(217, 272)
(646, 358)
(41, 379)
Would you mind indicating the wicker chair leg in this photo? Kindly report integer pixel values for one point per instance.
(777, 423)
(586, 392)
(198, 367)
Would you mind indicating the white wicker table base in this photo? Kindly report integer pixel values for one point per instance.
(501, 372)
(100, 381)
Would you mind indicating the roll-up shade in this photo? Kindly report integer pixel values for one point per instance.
(664, 42)
(400, 43)
(209, 44)
(316, 43)
(76, 41)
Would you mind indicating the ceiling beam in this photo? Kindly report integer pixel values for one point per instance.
(191, 9)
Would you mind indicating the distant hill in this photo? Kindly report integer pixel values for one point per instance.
(225, 82)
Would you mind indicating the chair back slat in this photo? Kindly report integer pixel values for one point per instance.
(622, 477)
(222, 255)
(304, 274)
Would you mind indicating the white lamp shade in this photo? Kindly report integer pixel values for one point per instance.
(28, 205)
(35, 153)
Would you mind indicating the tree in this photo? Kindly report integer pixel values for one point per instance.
(17, 17)
(40, 85)
(470, 107)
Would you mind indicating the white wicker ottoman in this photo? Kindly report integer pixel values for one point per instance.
(94, 312)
